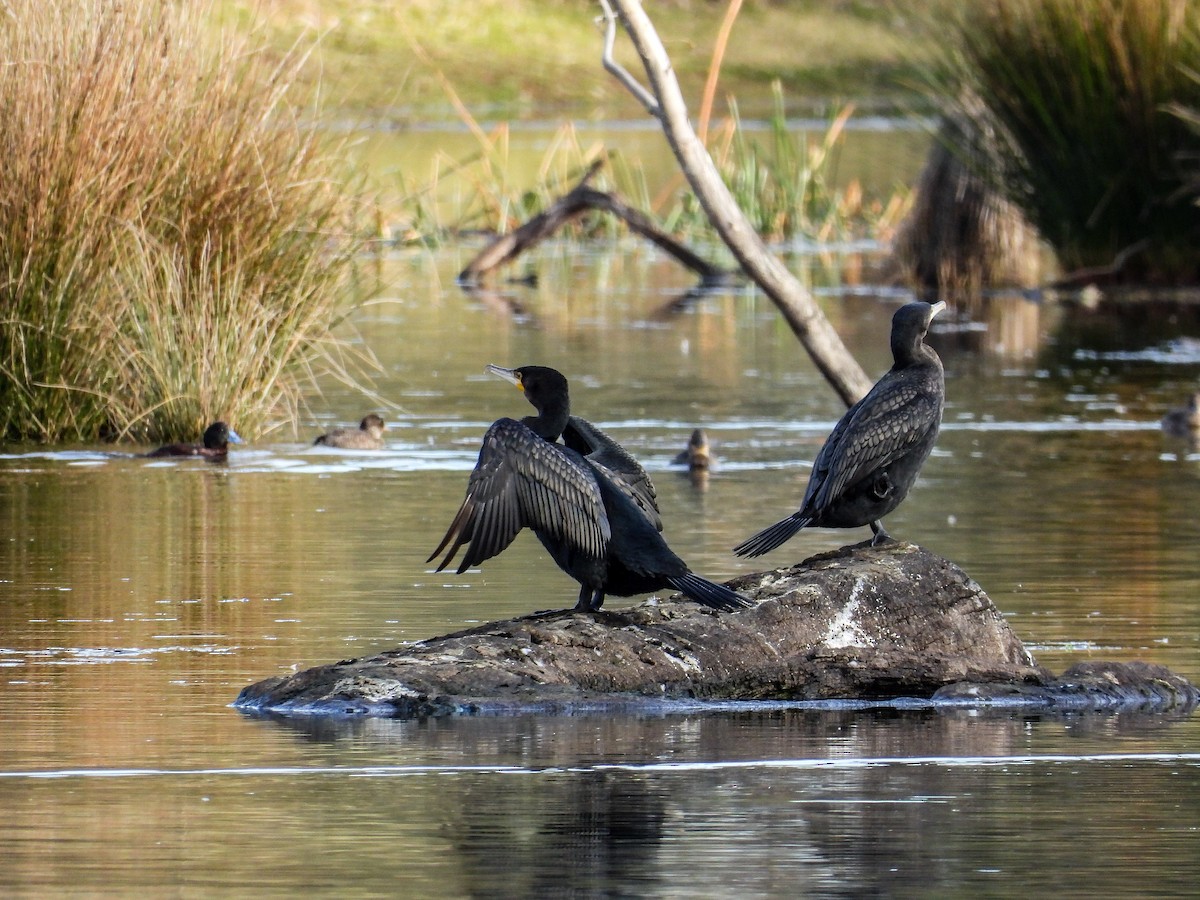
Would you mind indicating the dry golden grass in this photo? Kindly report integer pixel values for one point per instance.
(172, 240)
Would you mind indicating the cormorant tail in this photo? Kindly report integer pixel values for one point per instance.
(771, 537)
(707, 592)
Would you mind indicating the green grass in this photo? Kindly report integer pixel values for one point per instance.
(782, 179)
(172, 242)
(538, 58)
(1085, 100)
(785, 186)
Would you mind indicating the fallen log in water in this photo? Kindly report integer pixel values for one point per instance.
(860, 623)
(580, 199)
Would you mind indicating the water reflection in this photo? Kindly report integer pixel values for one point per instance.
(889, 802)
(775, 735)
(137, 599)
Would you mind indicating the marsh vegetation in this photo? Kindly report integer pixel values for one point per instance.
(1083, 115)
(176, 239)
(172, 242)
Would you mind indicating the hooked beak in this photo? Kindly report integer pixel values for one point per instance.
(509, 375)
(936, 308)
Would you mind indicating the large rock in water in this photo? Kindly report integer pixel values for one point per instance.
(860, 623)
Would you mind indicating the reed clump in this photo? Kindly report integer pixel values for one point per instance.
(963, 236)
(1079, 104)
(172, 239)
(785, 184)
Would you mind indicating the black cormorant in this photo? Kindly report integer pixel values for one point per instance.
(367, 436)
(874, 453)
(217, 438)
(588, 501)
(1183, 421)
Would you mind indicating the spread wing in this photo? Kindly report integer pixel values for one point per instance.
(884, 425)
(627, 473)
(524, 481)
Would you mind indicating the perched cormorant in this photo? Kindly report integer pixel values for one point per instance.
(874, 453)
(1183, 421)
(367, 436)
(217, 438)
(588, 501)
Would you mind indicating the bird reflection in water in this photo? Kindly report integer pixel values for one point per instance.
(1183, 422)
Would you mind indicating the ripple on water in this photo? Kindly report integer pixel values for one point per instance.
(83, 656)
(1178, 351)
(453, 446)
(648, 767)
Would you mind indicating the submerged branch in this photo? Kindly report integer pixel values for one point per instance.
(579, 200)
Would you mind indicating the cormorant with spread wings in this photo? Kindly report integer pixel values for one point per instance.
(588, 501)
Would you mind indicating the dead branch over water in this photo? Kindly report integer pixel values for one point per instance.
(665, 102)
(580, 199)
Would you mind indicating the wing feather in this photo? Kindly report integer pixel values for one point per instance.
(626, 472)
(875, 432)
(523, 481)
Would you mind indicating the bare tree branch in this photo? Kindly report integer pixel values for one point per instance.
(577, 201)
(665, 102)
(618, 71)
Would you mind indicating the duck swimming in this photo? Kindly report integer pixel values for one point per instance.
(696, 454)
(1183, 421)
(367, 436)
(217, 438)
(874, 453)
(587, 499)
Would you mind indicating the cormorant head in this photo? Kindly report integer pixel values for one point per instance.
(910, 324)
(546, 389)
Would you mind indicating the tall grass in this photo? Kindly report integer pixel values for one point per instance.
(1190, 114)
(172, 240)
(785, 184)
(1079, 94)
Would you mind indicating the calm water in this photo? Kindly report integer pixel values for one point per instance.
(137, 597)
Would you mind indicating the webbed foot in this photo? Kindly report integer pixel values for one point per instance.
(589, 600)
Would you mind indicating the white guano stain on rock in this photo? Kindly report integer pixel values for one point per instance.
(685, 660)
(373, 689)
(844, 630)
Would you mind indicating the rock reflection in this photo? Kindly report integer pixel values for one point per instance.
(796, 802)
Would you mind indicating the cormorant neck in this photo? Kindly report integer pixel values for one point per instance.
(550, 420)
(905, 354)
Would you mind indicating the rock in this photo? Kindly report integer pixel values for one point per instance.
(859, 624)
(1089, 685)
